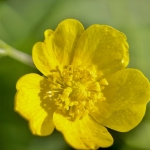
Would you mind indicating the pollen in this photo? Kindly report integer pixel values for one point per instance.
(75, 91)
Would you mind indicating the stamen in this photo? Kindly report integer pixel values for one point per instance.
(75, 91)
(103, 82)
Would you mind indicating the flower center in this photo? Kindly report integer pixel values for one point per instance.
(75, 91)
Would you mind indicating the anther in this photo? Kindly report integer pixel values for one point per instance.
(103, 82)
(75, 91)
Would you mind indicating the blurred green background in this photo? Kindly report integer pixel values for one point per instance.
(22, 23)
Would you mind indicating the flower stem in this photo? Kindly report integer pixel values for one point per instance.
(6, 50)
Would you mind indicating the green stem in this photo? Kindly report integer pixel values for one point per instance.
(2, 52)
(6, 50)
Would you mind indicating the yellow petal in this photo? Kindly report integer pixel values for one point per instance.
(83, 134)
(29, 104)
(104, 47)
(42, 59)
(126, 95)
(58, 47)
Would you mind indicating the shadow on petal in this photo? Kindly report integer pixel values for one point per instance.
(47, 101)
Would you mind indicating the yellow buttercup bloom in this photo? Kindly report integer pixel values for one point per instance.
(85, 86)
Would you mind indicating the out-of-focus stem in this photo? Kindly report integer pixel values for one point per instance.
(21, 56)
(2, 52)
(6, 50)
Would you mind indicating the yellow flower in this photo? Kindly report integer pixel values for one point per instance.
(85, 86)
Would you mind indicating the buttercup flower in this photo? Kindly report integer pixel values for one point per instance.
(85, 86)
